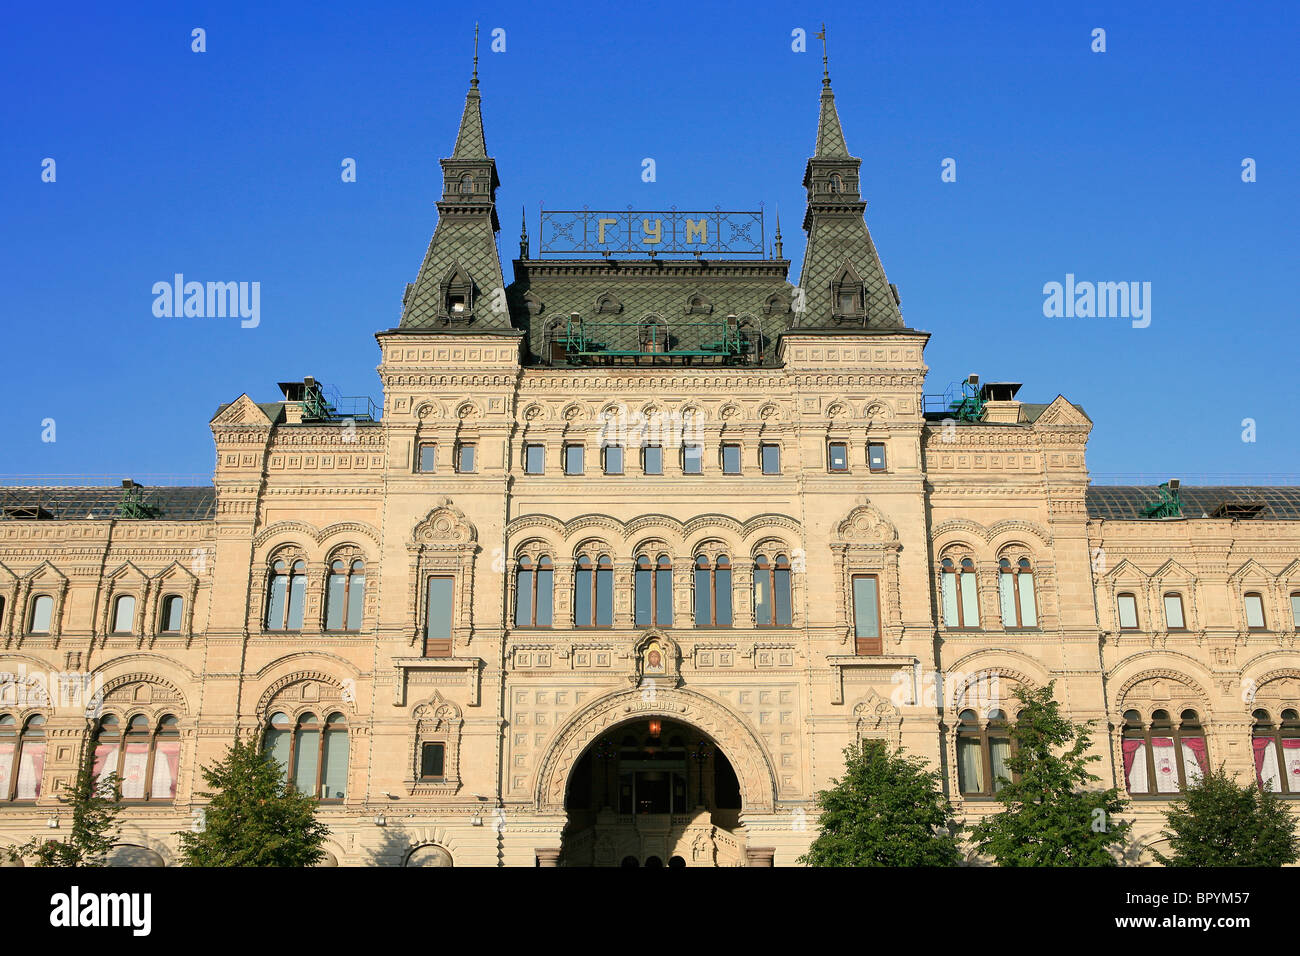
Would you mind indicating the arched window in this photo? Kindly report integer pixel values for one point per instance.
(654, 592)
(835, 185)
(22, 757)
(1162, 757)
(313, 757)
(124, 614)
(1016, 593)
(1277, 751)
(172, 614)
(772, 599)
(286, 596)
(1127, 606)
(961, 606)
(653, 335)
(593, 592)
(982, 753)
(534, 592)
(42, 614)
(145, 756)
(1254, 611)
(712, 591)
(467, 185)
(345, 595)
(1174, 619)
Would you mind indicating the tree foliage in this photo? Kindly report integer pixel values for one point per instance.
(1052, 814)
(95, 805)
(1218, 823)
(888, 810)
(254, 817)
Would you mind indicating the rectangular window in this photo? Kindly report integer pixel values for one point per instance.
(534, 459)
(866, 614)
(334, 766)
(613, 459)
(437, 617)
(465, 459)
(1255, 612)
(432, 759)
(1295, 610)
(1128, 612)
(848, 303)
(652, 460)
(573, 455)
(837, 456)
(731, 459)
(875, 456)
(428, 458)
(1174, 612)
(692, 459)
(770, 456)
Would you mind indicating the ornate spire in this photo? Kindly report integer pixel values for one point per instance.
(777, 248)
(826, 67)
(523, 233)
(473, 80)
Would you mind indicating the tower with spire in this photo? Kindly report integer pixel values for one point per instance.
(843, 283)
(460, 284)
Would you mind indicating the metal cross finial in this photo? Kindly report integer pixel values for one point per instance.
(826, 69)
(474, 79)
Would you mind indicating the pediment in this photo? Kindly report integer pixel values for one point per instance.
(242, 411)
(1062, 412)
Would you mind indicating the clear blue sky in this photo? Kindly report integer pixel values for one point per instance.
(225, 166)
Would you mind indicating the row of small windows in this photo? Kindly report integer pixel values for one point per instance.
(1159, 757)
(612, 458)
(959, 593)
(170, 614)
(345, 595)
(593, 592)
(1175, 620)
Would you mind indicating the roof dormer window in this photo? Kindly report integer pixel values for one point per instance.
(467, 185)
(835, 185)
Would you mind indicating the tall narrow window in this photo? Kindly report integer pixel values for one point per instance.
(1295, 609)
(465, 458)
(42, 612)
(172, 615)
(593, 592)
(837, 456)
(613, 459)
(692, 459)
(1277, 752)
(1254, 611)
(1016, 593)
(22, 757)
(345, 595)
(772, 599)
(960, 593)
(712, 592)
(982, 754)
(1174, 620)
(534, 592)
(467, 185)
(428, 460)
(652, 460)
(866, 614)
(124, 614)
(1161, 757)
(1128, 611)
(731, 459)
(534, 459)
(573, 463)
(286, 596)
(432, 760)
(654, 592)
(876, 456)
(438, 617)
(145, 757)
(770, 459)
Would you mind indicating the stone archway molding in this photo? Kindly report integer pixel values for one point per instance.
(728, 730)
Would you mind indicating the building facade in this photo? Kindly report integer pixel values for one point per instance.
(637, 546)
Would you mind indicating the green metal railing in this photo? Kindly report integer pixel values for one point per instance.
(595, 339)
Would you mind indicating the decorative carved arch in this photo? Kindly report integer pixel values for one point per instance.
(1163, 673)
(878, 719)
(445, 525)
(1013, 527)
(730, 731)
(346, 699)
(348, 528)
(865, 524)
(300, 529)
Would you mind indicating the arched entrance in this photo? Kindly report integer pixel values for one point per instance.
(659, 773)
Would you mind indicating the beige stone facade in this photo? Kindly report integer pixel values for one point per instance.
(540, 727)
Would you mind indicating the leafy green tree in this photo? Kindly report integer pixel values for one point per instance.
(1218, 823)
(1052, 814)
(254, 818)
(888, 810)
(95, 805)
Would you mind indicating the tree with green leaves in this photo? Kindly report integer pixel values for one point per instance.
(95, 804)
(1218, 823)
(254, 817)
(1052, 814)
(888, 810)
